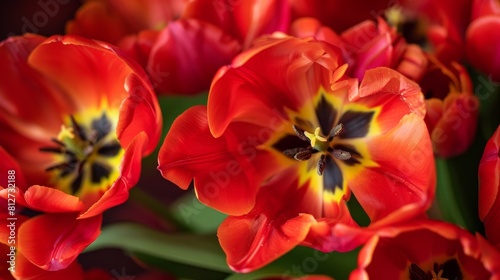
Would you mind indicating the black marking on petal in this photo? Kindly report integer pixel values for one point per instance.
(110, 149)
(416, 273)
(54, 150)
(304, 124)
(356, 124)
(80, 131)
(101, 127)
(326, 114)
(99, 171)
(58, 142)
(289, 142)
(451, 270)
(355, 155)
(332, 175)
(77, 183)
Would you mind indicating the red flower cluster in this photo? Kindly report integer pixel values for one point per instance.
(77, 119)
(321, 129)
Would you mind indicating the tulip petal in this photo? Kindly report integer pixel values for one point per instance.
(186, 55)
(489, 186)
(290, 82)
(482, 44)
(51, 200)
(130, 168)
(95, 72)
(27, 270)
(223, 168)
(406, 172)
(64, 238)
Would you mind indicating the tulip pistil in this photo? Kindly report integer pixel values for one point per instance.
(446, 271)
(318, 143)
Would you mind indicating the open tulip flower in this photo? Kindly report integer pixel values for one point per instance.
(427, 249)
(77, 116)
(60, 237)
(489, 185)
(287, 137)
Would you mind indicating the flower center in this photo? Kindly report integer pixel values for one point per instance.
(318, 143)
(446, 271)
(85, 154)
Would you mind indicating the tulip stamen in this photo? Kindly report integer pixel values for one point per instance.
(83, 150)
(317, 143)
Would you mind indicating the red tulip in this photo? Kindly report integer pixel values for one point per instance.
(427, 250)
(483, 38)
(337, 14)
(111, 20)
(91, 117)
(452, 108)
(286, 137)
(489, 185)
(368, 45)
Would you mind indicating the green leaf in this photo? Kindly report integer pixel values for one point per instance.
(197, 250)
(303, 261)
(179, 270)
(196, 216)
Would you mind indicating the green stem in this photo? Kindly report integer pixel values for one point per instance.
(445, 195)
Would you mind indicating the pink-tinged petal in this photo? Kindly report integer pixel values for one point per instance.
(489, 185)
(51, 200)
(64, 238)
(454, 132)
(243, 20)
(482, 43)
(301, 67)
(130, 170)
(187, 54)
(226, 170)
(396, 94)
(139, 112)
(406, 172)
(28, 271)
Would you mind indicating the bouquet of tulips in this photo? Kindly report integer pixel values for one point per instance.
(252, 139)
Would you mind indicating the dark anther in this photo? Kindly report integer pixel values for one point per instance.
(300, 133)
(321, 164)
(300, 153)
(335, 131)
(340, 154)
